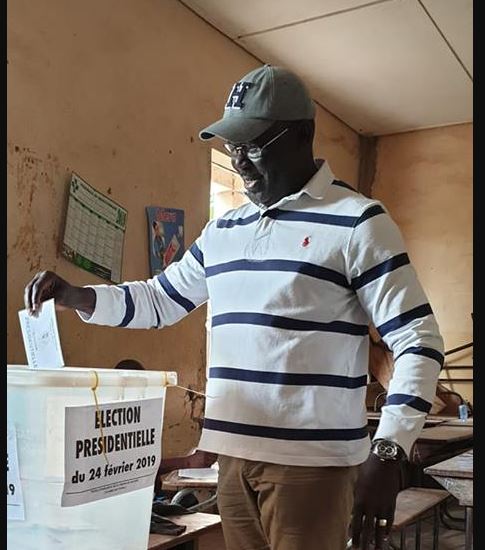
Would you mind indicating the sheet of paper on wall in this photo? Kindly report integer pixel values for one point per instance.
(94, 231)
(41, 338)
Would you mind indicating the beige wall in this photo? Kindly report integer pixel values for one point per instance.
(425, 180)
(117, 92)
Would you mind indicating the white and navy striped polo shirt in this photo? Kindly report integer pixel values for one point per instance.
(292, 290)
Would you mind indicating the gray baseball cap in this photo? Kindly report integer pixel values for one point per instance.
(260, 98)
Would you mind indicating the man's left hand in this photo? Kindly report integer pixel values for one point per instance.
(375, 502)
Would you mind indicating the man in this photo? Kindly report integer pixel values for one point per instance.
(294, 279)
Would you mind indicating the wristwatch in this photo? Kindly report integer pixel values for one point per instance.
(387, 450)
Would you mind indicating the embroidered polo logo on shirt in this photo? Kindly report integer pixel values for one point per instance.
(305, 242)
(235, 100)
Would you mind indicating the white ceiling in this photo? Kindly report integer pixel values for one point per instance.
(382, 66)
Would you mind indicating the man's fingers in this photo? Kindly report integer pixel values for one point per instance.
(28, 299)
(367, 532)
(382, 530)
(39, 289)
(356, 527)
(368, 529)
(35, 297)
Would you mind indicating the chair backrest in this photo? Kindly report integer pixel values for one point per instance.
(451, 399)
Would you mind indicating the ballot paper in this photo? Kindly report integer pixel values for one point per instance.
(41, 338)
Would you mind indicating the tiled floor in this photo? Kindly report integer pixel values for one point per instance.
(449, 539)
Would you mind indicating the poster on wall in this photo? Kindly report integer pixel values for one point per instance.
(94, 231)
(165, 237)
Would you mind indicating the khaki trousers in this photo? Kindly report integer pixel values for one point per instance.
(275, 507)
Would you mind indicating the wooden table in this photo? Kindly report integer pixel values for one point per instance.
(456, 476)
(197, 524)
(431, 420)
(445, 433)
(441, 442)
(435, 445)
(173, 482)
(459, 423)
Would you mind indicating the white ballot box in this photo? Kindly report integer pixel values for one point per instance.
(84, 446)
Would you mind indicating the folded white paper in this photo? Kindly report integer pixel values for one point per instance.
(209, 474)
(41, 338)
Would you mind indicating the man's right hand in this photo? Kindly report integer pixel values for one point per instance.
(46, 285)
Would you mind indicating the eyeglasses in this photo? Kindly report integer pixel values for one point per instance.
(253, 152)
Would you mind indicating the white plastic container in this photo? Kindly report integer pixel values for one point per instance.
(35, 406)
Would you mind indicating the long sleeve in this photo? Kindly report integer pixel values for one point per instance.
(388, 289)
(158, 302)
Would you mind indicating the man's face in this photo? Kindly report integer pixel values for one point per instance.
(268, 177)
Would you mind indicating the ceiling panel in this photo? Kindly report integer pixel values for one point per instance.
(236, 18)
(455, 19)
(382, 66)
(382, 69)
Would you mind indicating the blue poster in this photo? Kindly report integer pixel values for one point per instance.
(165, 237)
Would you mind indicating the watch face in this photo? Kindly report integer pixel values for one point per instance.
(387, 450)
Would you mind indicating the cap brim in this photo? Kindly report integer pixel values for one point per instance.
(236, 129)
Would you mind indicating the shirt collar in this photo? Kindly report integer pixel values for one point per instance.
(319, 183)
(316, 187)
